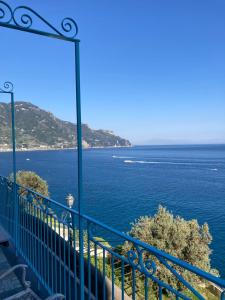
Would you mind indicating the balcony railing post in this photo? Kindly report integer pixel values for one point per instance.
(14, 171)
(80, 179)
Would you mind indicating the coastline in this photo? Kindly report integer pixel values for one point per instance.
(61, 149)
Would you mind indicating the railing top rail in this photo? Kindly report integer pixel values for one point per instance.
(216, 280)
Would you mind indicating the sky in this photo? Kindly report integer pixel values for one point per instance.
(153, 71)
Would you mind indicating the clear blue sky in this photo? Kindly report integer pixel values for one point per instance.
(152, 71)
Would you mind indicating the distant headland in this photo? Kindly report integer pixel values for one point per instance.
(37, 129)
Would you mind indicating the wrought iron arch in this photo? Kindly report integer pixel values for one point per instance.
(22, 18)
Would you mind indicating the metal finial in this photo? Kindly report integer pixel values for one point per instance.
(7, 87)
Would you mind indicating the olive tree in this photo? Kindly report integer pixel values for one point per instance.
(187, 240)
(31, 180)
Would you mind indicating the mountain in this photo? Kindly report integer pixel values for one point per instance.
(39, 129)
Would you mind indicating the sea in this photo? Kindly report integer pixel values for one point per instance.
(122, 184)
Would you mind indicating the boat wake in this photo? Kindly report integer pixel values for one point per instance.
(156, 162)
(165, 163)
(121, 157)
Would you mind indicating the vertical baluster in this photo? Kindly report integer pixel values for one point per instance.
(11, 211)
(103, 271)
(38, 241)
(5, 210)
(20, 222)
(41, 234)
(5, 214)
(60, 259)
(64, 259)
(146, 288)
(32, 234)
(133, 284)
(28, 232)
(122, 280)
(96, 272)
(113, 277)
(44, 248)
(35, 239)
(14, 219)
(25, 229)
(8, 214)
(55, 262)
(11, 220)
(23, 233)
(74, 256)
(47, 248)
(89, 260)
(160, 292)
(7, 221)
(69, 270)
(52, 256)
(28, 226)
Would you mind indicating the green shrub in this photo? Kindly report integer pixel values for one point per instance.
(32, 181)
(186, 240)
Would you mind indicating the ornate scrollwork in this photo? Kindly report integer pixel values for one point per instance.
(6, 13)
(7, 87)
(135, 258)
(21, 17)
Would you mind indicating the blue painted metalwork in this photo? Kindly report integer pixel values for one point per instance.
(44, 237)
(66, 256)
(21, 18)
(80, 175)
(14, 164)
(8, 89)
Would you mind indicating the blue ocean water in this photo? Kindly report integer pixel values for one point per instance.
(122, 184)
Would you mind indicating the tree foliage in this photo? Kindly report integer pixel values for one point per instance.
(187, 240)
(32, 181)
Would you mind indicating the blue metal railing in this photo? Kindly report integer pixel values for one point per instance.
(47, 237)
